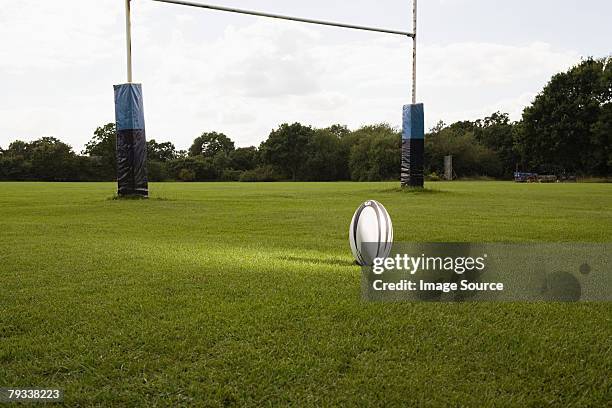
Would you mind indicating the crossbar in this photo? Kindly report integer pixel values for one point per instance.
(290, 18)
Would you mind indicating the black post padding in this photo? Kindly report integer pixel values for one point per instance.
(132, 163)
(413, 153)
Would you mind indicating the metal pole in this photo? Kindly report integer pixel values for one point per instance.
(414, 50)
(282, 17)
(128, 36)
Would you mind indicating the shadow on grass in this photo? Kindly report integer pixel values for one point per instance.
(315, 261)
(413, 190)
(137, 198)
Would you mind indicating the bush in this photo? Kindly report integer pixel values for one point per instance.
(186, 175)
(156, 171)
(326, 159)
(433, 177)
(244, 158)
(231, 175)
(375, 154)
(264, 173)
(470, 158)
(201, 168)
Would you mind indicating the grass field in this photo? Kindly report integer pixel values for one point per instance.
(245, 294)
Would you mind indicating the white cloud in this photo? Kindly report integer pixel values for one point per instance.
(484, 64)
(469, 80)
(55, 34)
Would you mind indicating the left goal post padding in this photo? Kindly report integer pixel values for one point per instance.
(131, 141)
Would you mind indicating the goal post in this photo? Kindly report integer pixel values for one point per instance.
(412, 155)
(131, 150)
(413, 126)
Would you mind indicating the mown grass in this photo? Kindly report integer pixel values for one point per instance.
(245, 294)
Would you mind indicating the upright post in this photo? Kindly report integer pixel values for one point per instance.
(448, 167)
(414, 50)
(128, 39)
(131, 139)
(413, 127)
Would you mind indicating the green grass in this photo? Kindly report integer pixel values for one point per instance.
(245, 294)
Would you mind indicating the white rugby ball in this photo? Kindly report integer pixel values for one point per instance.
(371, 224)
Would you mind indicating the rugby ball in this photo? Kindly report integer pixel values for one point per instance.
(370, 233)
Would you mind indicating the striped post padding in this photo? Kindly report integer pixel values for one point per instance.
(413, 146)
(131, 141)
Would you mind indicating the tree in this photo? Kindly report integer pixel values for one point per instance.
(485, 147)
(51, 159)
(286, 148)
(14, 163)
(565, 127)
(375, 154)
(244, 158)
(202, 169)
(161, 152)
(337, 130)
(470, 157)
(211, 143)
(325, 159)
(602, 135)
(103, 149)
(221, 161)
(497, 133)
(17, 149)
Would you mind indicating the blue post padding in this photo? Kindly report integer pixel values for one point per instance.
(413, 122)
(129, 112)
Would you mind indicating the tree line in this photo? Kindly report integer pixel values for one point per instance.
(567, 128)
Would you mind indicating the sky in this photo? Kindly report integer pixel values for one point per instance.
(205, 70)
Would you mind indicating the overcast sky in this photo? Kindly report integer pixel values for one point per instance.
(204, 70)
